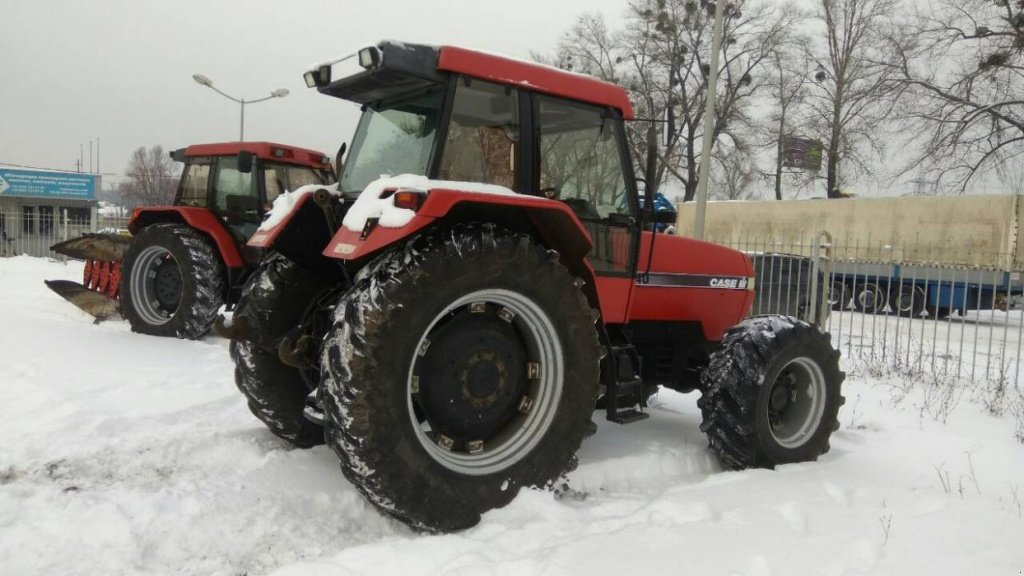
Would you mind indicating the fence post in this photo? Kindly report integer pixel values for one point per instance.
(822, 240)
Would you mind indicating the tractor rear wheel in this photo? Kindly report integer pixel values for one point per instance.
(172, 282)
(462, 367)
(275, 300)
(771, 393)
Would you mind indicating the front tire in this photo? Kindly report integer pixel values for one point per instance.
(771, 393)
(172, 283)
(462, 367)
(274, 300)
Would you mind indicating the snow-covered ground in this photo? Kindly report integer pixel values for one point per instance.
(123, 453)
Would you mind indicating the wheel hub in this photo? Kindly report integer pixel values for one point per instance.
(167, 285)
(796, 402)
(155, 283)
(472, 375)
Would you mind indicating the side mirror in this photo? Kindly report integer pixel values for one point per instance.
(337, 159)
(245, 161)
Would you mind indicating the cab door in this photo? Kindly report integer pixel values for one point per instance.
(582, 162)
(234, 197)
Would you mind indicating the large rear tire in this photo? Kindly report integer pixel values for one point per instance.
(462, 367)
(771, 393)
(172, 282)
(274, 300)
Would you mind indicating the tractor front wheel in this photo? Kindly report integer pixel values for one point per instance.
(172, 282)
(462, 367)
(771, 393)
(275, 300)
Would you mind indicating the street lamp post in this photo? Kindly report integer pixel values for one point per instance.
(279, 93)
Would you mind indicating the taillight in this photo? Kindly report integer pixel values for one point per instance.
(409, 199)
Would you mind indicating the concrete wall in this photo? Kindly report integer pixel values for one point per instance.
(947, 230)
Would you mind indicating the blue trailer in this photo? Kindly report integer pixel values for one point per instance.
(913, 290)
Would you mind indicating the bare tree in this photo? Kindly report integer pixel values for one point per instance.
(969, 112)
(854, 95)
(733, 174)
(152, 178)
(661, 55)
(789, 76)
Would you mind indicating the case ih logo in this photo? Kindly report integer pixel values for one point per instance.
(735, 283)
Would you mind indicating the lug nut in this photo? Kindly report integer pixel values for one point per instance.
(525, 404)
(506, 314)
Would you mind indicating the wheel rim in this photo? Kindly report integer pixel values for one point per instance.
(867, 297)
(909, 299)
(837, 295)
(509, 396)
(156, 285)
(796, 402)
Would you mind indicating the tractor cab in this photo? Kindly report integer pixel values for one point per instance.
(452, 114)
(238, 181)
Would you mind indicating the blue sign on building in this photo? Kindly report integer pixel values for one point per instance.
(56, 185)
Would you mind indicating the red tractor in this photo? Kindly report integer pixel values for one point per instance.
(484, 277)
(183, 262)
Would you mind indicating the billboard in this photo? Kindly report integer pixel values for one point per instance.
(55, 185)
(802, 153)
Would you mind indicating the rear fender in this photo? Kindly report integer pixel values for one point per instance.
(199, 218)
(551, 221)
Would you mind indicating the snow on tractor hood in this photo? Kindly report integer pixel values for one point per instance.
(377, 199)
(285, 203)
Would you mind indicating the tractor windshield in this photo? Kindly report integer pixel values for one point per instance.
(394, 137)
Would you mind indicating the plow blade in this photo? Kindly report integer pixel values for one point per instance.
(96, 304)
(101, 247)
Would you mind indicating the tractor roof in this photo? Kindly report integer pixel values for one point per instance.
(399, 67)
(262, 150)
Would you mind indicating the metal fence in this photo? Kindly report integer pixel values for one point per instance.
(909, 315)
(32, 232)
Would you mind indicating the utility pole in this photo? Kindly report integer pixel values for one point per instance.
(709, 122)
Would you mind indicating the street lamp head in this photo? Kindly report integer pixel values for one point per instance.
(279, 93)
(200, 79)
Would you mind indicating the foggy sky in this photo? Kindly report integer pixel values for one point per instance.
(121, 70)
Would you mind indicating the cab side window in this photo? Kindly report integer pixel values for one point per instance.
(195, 182)
(581, 164)
(483, 137)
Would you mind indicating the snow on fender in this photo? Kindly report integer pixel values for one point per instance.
(377, 199)
(282, 209)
